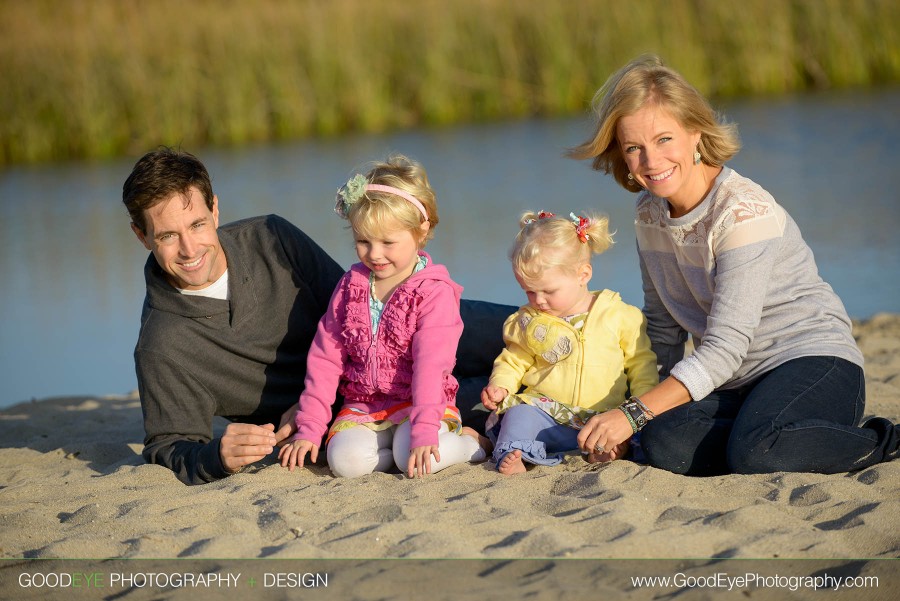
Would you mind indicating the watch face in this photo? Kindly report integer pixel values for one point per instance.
(637, 414)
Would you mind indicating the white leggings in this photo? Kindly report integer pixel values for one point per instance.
(358, 450)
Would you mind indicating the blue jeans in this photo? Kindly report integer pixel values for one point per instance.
(801, 416)
(541, 440)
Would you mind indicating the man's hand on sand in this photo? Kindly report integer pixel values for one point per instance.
(243, 444)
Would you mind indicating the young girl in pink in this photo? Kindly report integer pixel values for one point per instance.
(387, 342)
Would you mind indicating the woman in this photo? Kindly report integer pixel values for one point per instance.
(775, 382)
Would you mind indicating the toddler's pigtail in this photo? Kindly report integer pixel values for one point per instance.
(599, 238)
(529, 217)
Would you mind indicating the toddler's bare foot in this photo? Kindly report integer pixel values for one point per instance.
(512, 463)
(483, 441)
(619, 451)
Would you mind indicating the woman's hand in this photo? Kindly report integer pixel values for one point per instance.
(420, 460)
(618, 452)
(492, 395)
(604, 432)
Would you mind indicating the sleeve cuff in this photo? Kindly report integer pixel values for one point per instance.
(211, 461)
(510, 386)
(695, 378)
(423, 439)
(313, 435)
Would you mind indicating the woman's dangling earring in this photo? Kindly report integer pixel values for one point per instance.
(696, 157)
(630, 178)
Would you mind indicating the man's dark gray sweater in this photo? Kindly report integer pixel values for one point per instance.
(244, 358)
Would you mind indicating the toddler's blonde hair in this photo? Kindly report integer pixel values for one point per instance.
(545, 242)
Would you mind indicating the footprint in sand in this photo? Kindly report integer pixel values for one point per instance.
(811, 494)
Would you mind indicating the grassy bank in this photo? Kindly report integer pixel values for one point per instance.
(107, 77)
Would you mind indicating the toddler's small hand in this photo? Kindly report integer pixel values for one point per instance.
(419, 462)
(293, 454)
(491, 396)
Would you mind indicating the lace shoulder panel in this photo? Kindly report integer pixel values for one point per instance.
(745, 213)
(738, 201)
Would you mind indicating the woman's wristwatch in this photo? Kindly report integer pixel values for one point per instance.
(637, 412)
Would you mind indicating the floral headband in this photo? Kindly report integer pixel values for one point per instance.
(357, 186)
(581, 224)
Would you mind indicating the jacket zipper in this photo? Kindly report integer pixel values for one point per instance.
(580, 379)
(373, 368)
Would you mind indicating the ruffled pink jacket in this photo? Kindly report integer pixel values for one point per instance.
(410, 359)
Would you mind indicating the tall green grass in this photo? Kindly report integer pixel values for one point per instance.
(107, 77)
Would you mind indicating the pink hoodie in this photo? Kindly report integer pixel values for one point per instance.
(411, 358)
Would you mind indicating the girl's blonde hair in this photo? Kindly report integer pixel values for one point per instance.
(646, 81)
(546, 240)
(368, 214)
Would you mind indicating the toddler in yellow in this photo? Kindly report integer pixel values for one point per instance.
(577, 352)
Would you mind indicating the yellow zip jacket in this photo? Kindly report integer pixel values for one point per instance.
(595, 369)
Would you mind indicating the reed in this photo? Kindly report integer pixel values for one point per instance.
(109, 77)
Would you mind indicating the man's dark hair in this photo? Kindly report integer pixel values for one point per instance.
(158, 175)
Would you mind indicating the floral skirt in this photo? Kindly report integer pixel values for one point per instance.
(350, 417)
(565, 415)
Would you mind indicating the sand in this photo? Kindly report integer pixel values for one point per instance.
(73, 485)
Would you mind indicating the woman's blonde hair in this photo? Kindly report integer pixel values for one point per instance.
(647, 81)
(546, 240)
(368, 215)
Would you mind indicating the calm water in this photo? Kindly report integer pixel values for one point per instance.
(71, 271)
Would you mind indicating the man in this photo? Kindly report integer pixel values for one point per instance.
(228, 319)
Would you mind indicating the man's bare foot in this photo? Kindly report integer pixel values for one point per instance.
(483, 441)
(512, 463)
(618, 452)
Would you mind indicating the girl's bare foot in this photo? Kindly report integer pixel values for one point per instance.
(512, 463)
(619, 451)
